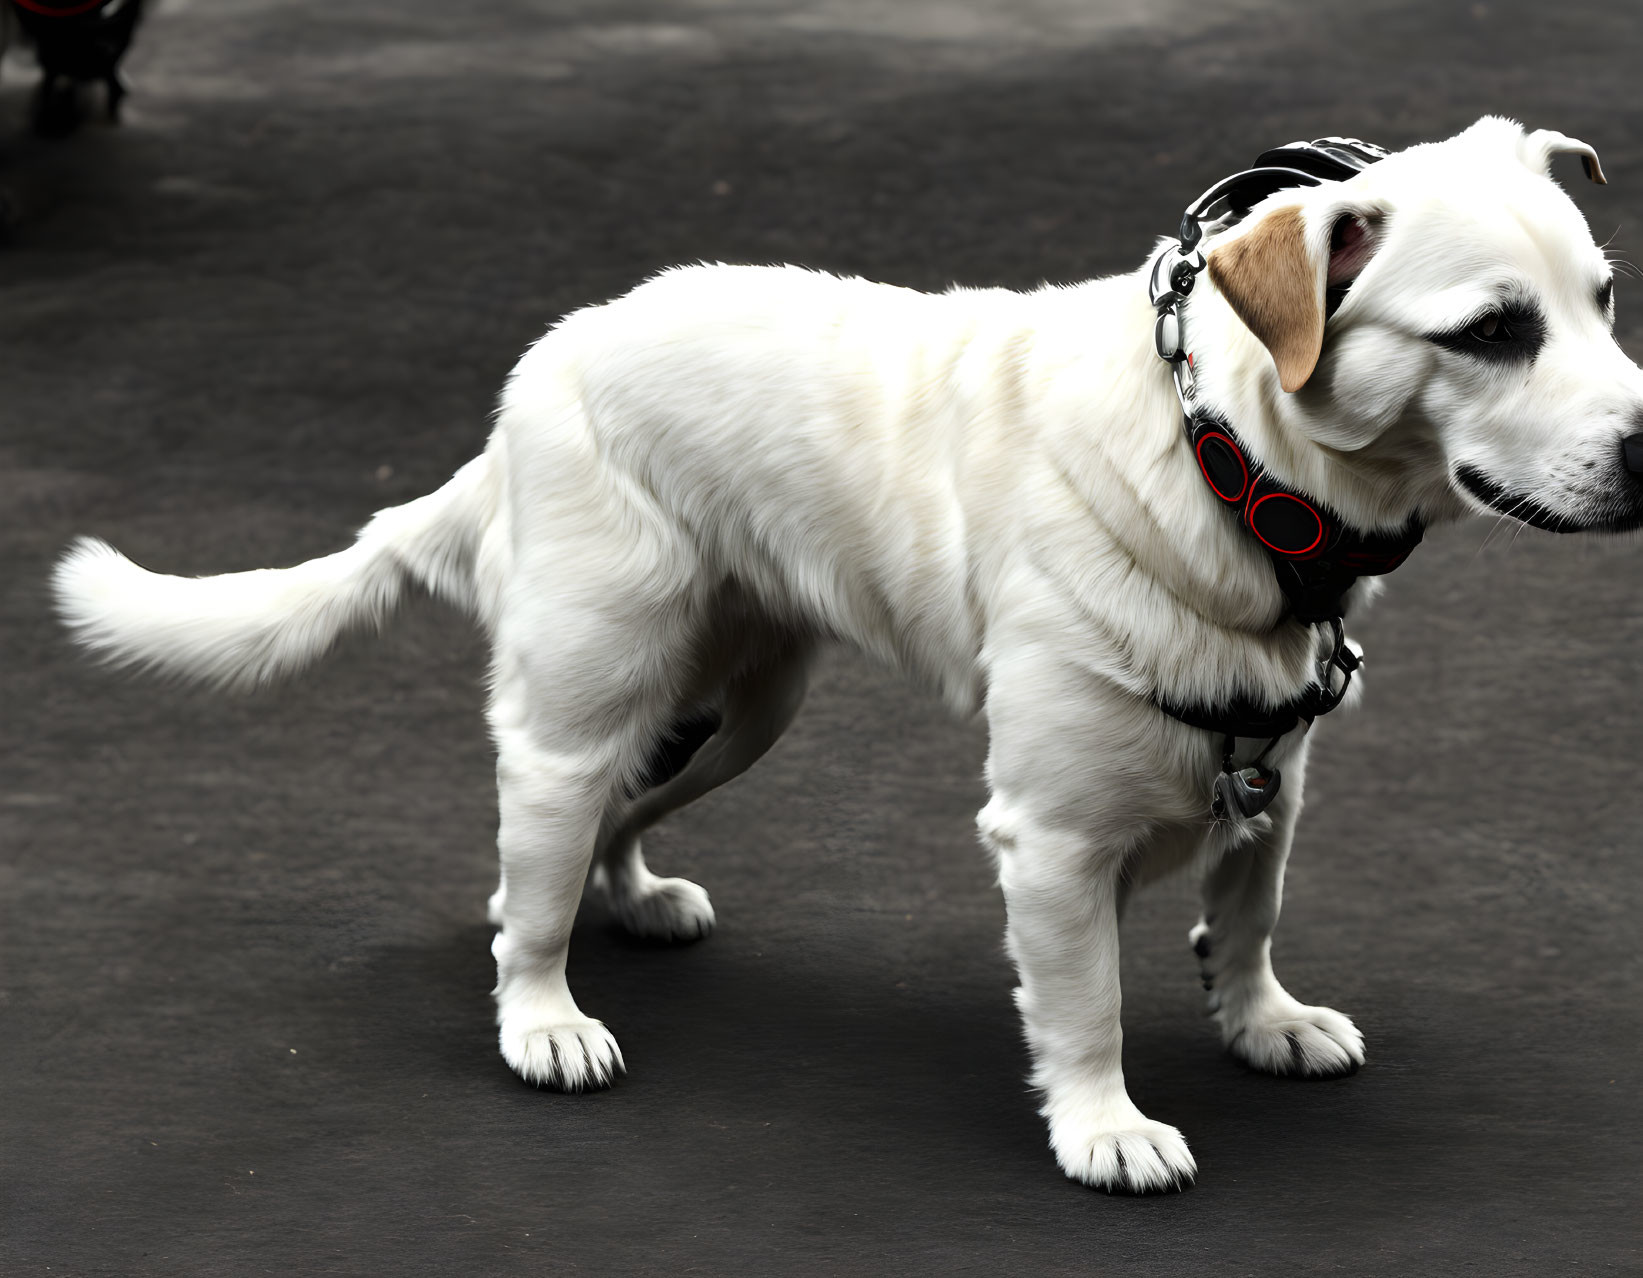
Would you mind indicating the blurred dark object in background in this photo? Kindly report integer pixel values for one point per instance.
(76, 42)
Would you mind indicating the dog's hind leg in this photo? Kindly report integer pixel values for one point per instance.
(1260, 1022)
(759, 705)
(578, 696)
(549, 801)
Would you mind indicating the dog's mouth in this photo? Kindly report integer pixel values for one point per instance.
(1537, 514)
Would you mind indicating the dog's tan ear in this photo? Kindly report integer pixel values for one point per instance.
(1273, 285)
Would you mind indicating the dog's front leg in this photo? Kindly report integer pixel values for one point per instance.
(1061, 894)
(1061, 825)
(1261, 1023)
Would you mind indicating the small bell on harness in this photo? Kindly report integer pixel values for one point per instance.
(1244, 793)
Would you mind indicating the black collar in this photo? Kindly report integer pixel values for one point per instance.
(1316, 556)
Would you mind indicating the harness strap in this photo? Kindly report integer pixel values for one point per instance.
(1247, 717)
(1241, 717)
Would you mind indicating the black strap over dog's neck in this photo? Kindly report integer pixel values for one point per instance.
(1316, 557)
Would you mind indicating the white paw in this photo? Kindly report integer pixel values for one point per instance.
(1310, 1042)
(1267, 1029)
(666, 910)
(1126, 1153)
(572, 1056)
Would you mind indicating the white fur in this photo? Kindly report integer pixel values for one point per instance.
(690, 488)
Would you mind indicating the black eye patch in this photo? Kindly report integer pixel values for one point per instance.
(1605, 296)
(1512, 333)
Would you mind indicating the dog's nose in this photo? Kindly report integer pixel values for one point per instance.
(1632, 447)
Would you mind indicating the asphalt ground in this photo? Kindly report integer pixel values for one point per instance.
(244, 1022)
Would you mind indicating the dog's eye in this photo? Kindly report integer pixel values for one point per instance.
(1511, 333)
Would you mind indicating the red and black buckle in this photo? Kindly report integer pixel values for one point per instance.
(1223, 465)
(1285, 523)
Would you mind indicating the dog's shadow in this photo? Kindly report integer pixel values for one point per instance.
(723, 1028)
(918, 1081)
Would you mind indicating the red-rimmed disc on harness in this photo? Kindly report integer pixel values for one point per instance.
(1285, 524)
(1222, 463)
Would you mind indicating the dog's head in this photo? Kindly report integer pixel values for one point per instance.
(1433, 335)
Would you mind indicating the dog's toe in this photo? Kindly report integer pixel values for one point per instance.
(1304, 1042)
(1198, 937)
(575, 1056)
(667, 910)
(1140, 1157)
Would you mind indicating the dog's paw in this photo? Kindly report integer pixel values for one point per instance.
(666, 910)
(1306, 1042)
(1134, 1155)
(572, 1056)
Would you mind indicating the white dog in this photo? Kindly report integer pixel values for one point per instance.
(691, 488)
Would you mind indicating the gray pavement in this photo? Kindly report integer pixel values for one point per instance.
(244, 1025)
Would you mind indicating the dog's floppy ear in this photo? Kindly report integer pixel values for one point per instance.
(1541, 145)
(1276, 283)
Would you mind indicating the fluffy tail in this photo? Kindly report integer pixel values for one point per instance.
(242, 629)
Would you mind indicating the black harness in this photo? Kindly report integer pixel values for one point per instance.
(1316, 557)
